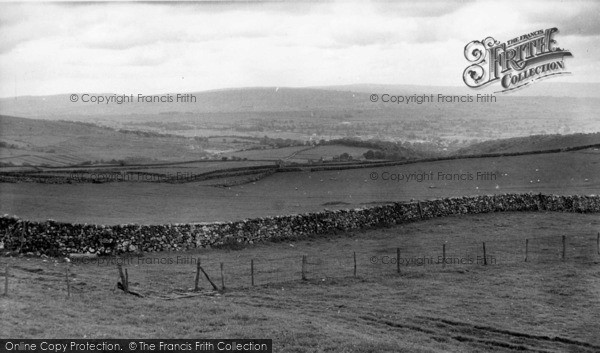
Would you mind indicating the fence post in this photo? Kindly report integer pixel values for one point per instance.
(444, 255)
(197, 279)
(526, 249)
(6, 281)
(68, 283)
(124, 279)
(304, 267)
(398, 260)
(564, 247)
(420, 211)
(598, 243)
(355, 264)
(484, 255)
(252, 271)
(222, 278)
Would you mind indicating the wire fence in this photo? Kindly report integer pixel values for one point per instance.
(234, 270)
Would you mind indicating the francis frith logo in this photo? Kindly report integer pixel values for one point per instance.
(515, 63)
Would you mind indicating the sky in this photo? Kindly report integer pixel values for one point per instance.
(159, 47)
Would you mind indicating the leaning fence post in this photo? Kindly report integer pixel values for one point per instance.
(564, 247)
(303, 267)
(398, 260)
(355, 264)
(420, 210)
(209, 280)
(526, 249)
(484, 255)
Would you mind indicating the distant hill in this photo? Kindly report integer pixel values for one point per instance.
(531, 143)
(273, 99)
(541, 89)
(229, 100)
(305, 114)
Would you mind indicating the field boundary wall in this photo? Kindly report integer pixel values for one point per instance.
(60, 238)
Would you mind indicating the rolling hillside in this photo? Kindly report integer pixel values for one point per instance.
(60, 143)
(531, 143)
(331, 113)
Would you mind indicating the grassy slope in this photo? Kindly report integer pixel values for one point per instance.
(468, 308)
(192, 168)
(85, 142)
(297, 192)
(327, 152)
(302, 154)
(218, 112)
(267, 154)
(531, 143)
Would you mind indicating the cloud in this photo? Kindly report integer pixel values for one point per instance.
(573, 18)
(585, 23)
(420, 8)
(20, 23)
(61, 47)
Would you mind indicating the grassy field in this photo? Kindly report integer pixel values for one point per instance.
(532, 143)
(543, 305)
(267, 154)
(167, 170)
(297, 192)
(327, 152)
(59, 143)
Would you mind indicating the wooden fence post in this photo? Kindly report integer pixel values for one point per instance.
(304, 267)
(484, 255)
(420, 210)
(124, 279)
(398, 260)
(444, 255)
(564, 247)
(355, 264)
(68, 283)
(197, 279)
(526, 249)
(252, 271)
(222, 278)
(598, 243)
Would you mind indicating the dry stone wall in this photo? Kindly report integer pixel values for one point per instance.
(59, 238)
